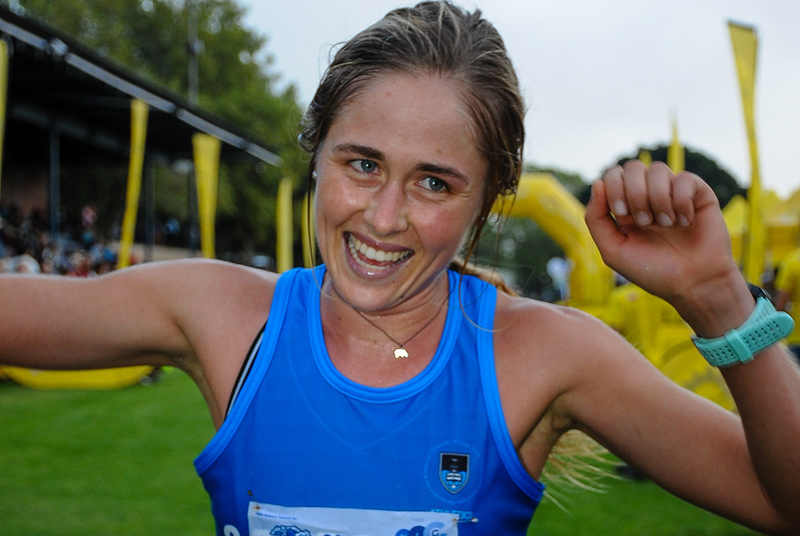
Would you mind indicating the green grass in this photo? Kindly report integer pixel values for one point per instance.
(120, 462)
(630, 509)
(103, 462)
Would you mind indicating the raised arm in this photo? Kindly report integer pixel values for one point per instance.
(666, 234)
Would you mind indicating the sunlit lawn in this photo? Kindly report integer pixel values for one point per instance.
(120, 462)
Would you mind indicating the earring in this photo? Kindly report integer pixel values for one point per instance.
(314, 175)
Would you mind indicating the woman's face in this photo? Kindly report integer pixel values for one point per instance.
(400, 182)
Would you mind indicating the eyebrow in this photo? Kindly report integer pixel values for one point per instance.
(363, 150)
(442, 170)
(371, 152)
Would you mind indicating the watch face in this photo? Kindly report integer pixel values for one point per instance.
(758, 292)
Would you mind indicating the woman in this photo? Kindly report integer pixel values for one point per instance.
(389, 395)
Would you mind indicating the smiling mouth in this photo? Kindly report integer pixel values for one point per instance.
(369, 257)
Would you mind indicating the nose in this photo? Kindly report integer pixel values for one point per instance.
(386, 212)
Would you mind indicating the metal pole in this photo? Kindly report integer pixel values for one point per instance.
(55, 182)
(149, 209)
(193, 227)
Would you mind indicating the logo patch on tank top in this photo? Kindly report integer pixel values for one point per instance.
(453, 470)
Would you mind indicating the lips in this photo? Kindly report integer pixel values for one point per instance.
(370, 257)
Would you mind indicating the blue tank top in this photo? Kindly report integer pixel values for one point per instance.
(304, 451)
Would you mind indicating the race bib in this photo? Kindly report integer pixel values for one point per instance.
(272, 520)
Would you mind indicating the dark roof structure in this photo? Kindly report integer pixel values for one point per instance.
(54, 81)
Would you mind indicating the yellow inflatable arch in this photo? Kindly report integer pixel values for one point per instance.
(666, 341)
(542, 198)
(85, 379)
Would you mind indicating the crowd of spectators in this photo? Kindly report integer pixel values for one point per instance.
(27, 247)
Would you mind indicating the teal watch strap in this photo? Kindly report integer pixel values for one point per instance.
(765, 327)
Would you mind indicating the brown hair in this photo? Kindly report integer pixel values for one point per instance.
(434, 37)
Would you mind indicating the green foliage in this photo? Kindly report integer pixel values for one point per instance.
(235, 82)
(723, 183)
(573, 182)
(519, 249)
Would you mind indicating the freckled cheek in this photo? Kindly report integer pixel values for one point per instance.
(445, 231)
(335, 202)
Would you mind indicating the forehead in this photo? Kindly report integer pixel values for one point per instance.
(404, 113)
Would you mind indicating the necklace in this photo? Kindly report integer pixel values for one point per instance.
(400, 352)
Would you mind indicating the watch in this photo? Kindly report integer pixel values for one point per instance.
(763, 328)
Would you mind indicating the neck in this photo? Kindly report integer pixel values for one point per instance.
(372, 337)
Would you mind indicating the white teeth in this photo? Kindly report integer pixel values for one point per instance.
(357, 246)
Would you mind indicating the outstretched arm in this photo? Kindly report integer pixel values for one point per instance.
(124, 318)
(200, 316)
(666, 233)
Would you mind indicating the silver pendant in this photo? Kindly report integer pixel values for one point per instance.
(400, 353)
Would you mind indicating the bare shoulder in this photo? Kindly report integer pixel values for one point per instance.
(540, 345)
(179, 287)
(524, 323)
(542, 351)
(565, 344)
(204, 297)
(219, 308)
(218, 275)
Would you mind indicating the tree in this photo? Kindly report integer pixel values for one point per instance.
(520, 249)
(573, 182)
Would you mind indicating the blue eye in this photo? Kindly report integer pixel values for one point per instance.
(365, 166)
(434, 183)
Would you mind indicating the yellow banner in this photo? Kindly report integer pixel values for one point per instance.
(745, 45)
(3, 96)
(284, 258)
(206, 170)
(675, 152)
(139, 111)
(307, 228)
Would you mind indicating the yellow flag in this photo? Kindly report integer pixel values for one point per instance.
(206, 171)
(139, 111)
(284, 258)
(309, 240)
(675, 152)
(745, 46)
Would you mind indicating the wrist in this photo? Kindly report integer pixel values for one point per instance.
(715, 308)
(763, 328)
